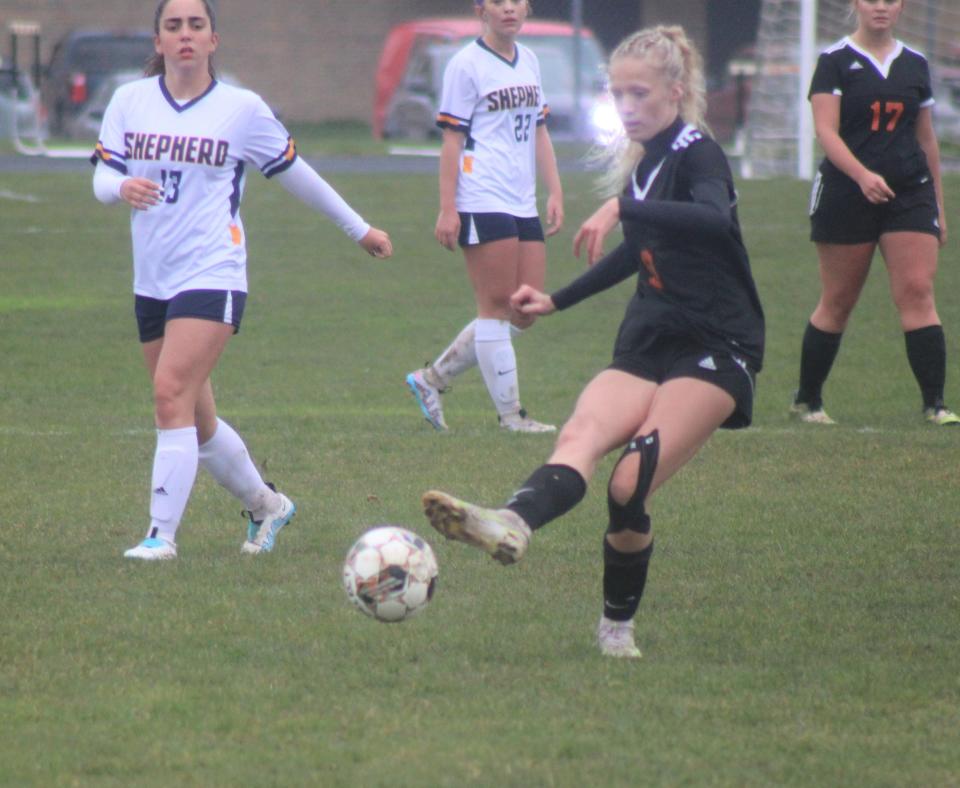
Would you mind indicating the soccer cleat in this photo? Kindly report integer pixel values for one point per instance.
(499, 532)
(941, 417)
(427, 397)
(152, 549)
(521, 422)
(616, 639)
(802, 412)
(262, 533)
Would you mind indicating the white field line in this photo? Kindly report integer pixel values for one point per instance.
(6, 194)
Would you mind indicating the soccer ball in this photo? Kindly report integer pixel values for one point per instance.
(390, 573)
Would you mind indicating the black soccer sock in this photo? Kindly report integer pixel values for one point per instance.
(551, 490)
(624, 578)
(927, 354)
(817, 353)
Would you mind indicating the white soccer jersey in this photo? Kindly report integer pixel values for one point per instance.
(498, 104)
(198, 151)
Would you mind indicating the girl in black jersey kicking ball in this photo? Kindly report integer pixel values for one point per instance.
(879, 185)
(689, 346)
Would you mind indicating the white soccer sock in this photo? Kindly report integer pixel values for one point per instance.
(174, 471)
(498, 363)
(226, 457)
(460, 356)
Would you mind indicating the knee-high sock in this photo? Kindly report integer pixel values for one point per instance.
(498, 363)
(927, 354)
(174, 471)
(551, 491)
(227, 459)
(817, 354)
(459, 356)
(624, 578)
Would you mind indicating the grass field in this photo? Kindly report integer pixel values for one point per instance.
(801, 621)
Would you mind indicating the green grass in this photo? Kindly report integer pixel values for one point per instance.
(801, 621)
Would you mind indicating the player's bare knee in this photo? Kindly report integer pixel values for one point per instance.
(578, 432)
(169, 399)
(915, 297)
(623, 481)
(630, 541)
(627, 492)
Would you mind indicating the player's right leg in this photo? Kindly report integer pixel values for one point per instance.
(553, 488)
(494, 267)
(843, 272)
(180, 361)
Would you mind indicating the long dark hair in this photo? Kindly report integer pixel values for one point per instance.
(155, 64)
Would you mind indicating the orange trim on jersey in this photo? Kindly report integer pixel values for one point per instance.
(291, 150)
(102, 152)
(468, 165)
(450, 119)
(235, 235)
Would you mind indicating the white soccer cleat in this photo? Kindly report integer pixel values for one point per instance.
(499, 532)
(262, 533)
(802, 412)
(152, 549)
(521, 422)
(428, 398)
(616, 639)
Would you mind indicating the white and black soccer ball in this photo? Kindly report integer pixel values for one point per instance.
(390, 573)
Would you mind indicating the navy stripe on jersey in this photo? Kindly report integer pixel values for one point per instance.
(282, 162)
(237, 190)
(111, 158)
(183, 107)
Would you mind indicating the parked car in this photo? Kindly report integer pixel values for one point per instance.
(21, 112)
(85, 124)
(409, 76)
(81, 60)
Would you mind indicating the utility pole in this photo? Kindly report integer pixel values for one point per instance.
(576, 19)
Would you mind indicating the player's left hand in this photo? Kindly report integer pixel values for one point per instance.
(595, 229)
(527, 300)
(377, 243)
(554, 214)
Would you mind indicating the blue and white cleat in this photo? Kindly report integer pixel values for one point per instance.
(262, 533)
(152, 549)
(428, 398)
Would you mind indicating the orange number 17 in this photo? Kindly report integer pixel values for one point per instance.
(893, 108)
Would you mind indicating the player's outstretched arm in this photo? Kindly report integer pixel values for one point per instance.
(304, 183)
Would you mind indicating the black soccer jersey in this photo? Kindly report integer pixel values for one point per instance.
(879, 104)
(682, 234)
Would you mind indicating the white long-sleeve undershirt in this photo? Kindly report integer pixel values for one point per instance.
(300, 179)
(304, 183)
(106, 183)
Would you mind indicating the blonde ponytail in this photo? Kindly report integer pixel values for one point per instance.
(678, 61)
